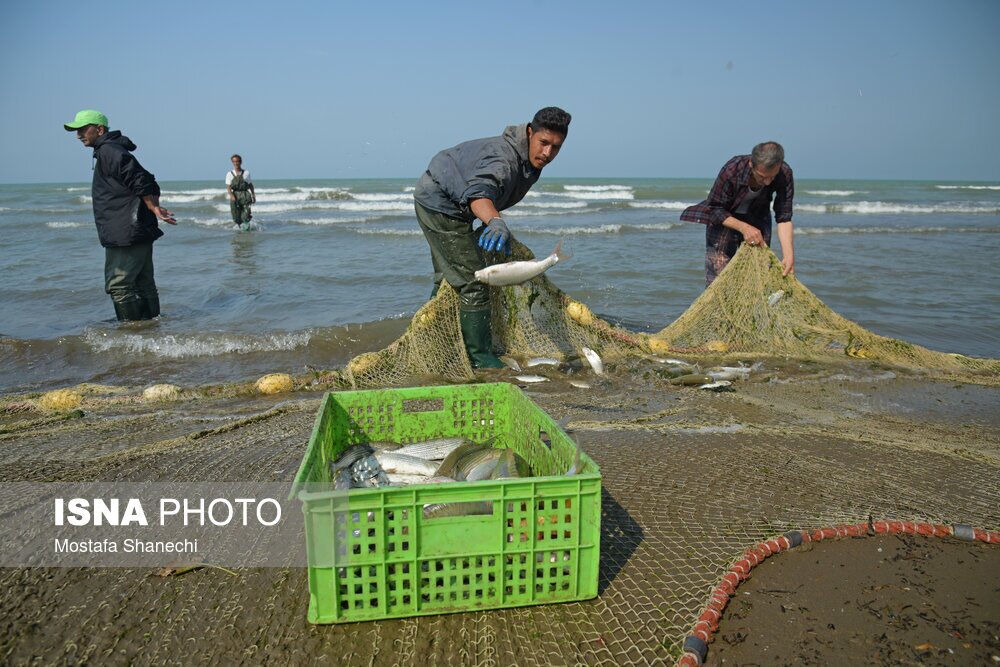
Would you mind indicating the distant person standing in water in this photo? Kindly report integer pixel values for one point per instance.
(241, 193)
(738, 208)
(126, 201)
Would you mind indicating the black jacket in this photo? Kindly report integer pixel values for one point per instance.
(120, 183)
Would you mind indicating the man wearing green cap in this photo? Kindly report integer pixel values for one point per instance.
(126, 209)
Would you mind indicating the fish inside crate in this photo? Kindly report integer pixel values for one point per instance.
(525, 528)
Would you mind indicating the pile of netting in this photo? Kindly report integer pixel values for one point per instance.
(751, 310)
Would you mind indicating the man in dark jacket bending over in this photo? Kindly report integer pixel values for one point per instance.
(126, 207)
(478, 179)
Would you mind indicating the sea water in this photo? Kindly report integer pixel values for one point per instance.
(333, 268)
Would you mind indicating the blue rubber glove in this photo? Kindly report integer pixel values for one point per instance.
(495, 236)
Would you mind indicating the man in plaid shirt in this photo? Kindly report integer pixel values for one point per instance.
(737, 209)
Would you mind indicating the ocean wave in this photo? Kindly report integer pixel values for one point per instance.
(195, 345)
(617, 228)
(190, 198)
(378, 196)
(209, 222)
(835, 193)
(330, 221)
(354, 206)
(387, 232)
(881, 207)
(596, 195)
(552, 204)
(63, 224)
(595, 188)
(668, 205)
(967, 187)
(895, 230)
(83, 189)
(202, 191)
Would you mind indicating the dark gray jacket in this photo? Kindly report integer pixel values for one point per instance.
(120, 183)
(495, 168)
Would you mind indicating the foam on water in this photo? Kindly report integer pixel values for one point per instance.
(967, 187)
(835, 193)
(668, 205)
(596, 188)
(895, 230)
(601, 229)
(387, 232)
(881, 207)
(63, 224)
(552, 204)
(195, 345)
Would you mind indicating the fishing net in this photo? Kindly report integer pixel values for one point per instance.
(751, 310)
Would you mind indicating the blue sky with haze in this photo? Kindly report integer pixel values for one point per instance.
(907, 90)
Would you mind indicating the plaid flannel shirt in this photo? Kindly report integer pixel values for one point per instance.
(729, 189)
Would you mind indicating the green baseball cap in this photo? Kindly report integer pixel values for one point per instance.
(86, 117)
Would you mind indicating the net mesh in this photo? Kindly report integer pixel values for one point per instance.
(749, 310)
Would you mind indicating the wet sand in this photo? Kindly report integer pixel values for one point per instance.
(691, 479)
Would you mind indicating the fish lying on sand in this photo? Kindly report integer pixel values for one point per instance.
(692, 379)
(531, 378)
(732, 372)
(515, 273)
(721, 385)
(672, 362)
(579, 385)
(594, 360)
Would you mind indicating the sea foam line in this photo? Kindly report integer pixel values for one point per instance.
(877, 207)
(836, 193)
(967, 187)
(179, 347)
(895, 230)
(668, 205)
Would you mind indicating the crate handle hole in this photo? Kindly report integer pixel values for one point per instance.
(423, 405)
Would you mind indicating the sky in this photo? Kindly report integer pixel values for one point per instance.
(373, 89)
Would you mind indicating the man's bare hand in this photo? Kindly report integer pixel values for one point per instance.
(164, 215)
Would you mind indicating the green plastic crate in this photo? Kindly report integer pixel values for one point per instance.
(372, 553)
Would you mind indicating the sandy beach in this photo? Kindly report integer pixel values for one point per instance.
(691, 479)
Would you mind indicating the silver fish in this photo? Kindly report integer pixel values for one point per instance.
(432, 449)
(402, 463)
(775, 297)
(397, 479)
(579, 385)
(449, 466)
(515, 273)
(721, 385)
(672, 362)
(511, 364)
(531, 378)
(542, 361)
(594, 360)
(478, 465)
(511, 466)
(577, 465)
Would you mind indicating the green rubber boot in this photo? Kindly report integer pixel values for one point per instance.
(478, 337)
